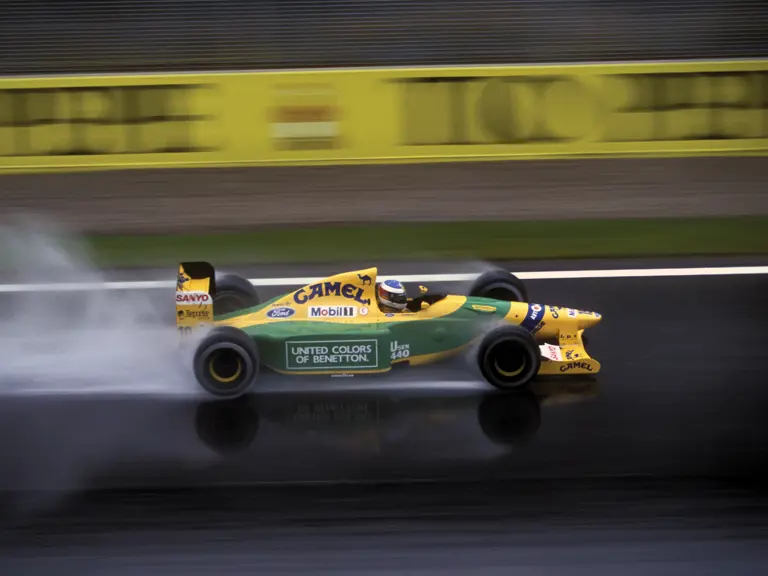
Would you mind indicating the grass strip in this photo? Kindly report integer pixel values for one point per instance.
(450, 240)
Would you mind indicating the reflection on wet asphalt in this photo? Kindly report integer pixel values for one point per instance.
(581, 476)
(270, 437)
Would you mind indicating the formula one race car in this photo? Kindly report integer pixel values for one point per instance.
(336, 327)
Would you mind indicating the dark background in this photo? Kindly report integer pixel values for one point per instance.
(54, 36)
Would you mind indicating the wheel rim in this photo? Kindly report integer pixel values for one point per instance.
(508, 373)
(509, 360)
(225, 366)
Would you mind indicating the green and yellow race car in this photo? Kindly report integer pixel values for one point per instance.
(338, 326)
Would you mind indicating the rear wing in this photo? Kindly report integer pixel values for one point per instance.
(195, 289)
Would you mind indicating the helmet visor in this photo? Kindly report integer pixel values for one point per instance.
(396, 298)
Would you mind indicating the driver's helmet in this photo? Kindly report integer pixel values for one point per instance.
(392, 293)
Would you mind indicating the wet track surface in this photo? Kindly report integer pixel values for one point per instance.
(659, 461)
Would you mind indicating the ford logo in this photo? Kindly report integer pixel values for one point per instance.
(281, 313)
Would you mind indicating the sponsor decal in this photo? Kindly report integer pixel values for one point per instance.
(589, 313)
(570, 355)
(193, 298)
(539, 327)
(195, 314)
(332, 354)
(323, 289)
(181, 279)
(399, 351)
(177, 118)
(533, 317)
(332, 311)
(551, 352)
(364, 311)
(365, 280)
(282, 312)
(305, 116)
(556, 310)
(669, 102)
(389, 314)
(483, 308)
(576, 365)
(423, 289)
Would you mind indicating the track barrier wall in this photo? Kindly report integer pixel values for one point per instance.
(364, 116)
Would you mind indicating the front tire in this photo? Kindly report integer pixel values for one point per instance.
(226, 362)
(234, 293)
(499, 285)
(509, 357)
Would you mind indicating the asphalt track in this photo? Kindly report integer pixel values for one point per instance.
(657, 464)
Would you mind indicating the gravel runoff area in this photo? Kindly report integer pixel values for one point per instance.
(214, 199)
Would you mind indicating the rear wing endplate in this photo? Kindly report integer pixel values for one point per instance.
(195, 289)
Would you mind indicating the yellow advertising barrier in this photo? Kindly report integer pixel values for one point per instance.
(383, 115)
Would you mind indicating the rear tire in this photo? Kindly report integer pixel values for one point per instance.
(499, 285)
(509, 357)
(234, 293)
(226, 362)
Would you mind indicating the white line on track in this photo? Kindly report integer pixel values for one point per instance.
(550, 275)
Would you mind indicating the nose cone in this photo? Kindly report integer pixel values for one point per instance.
(587, 319)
